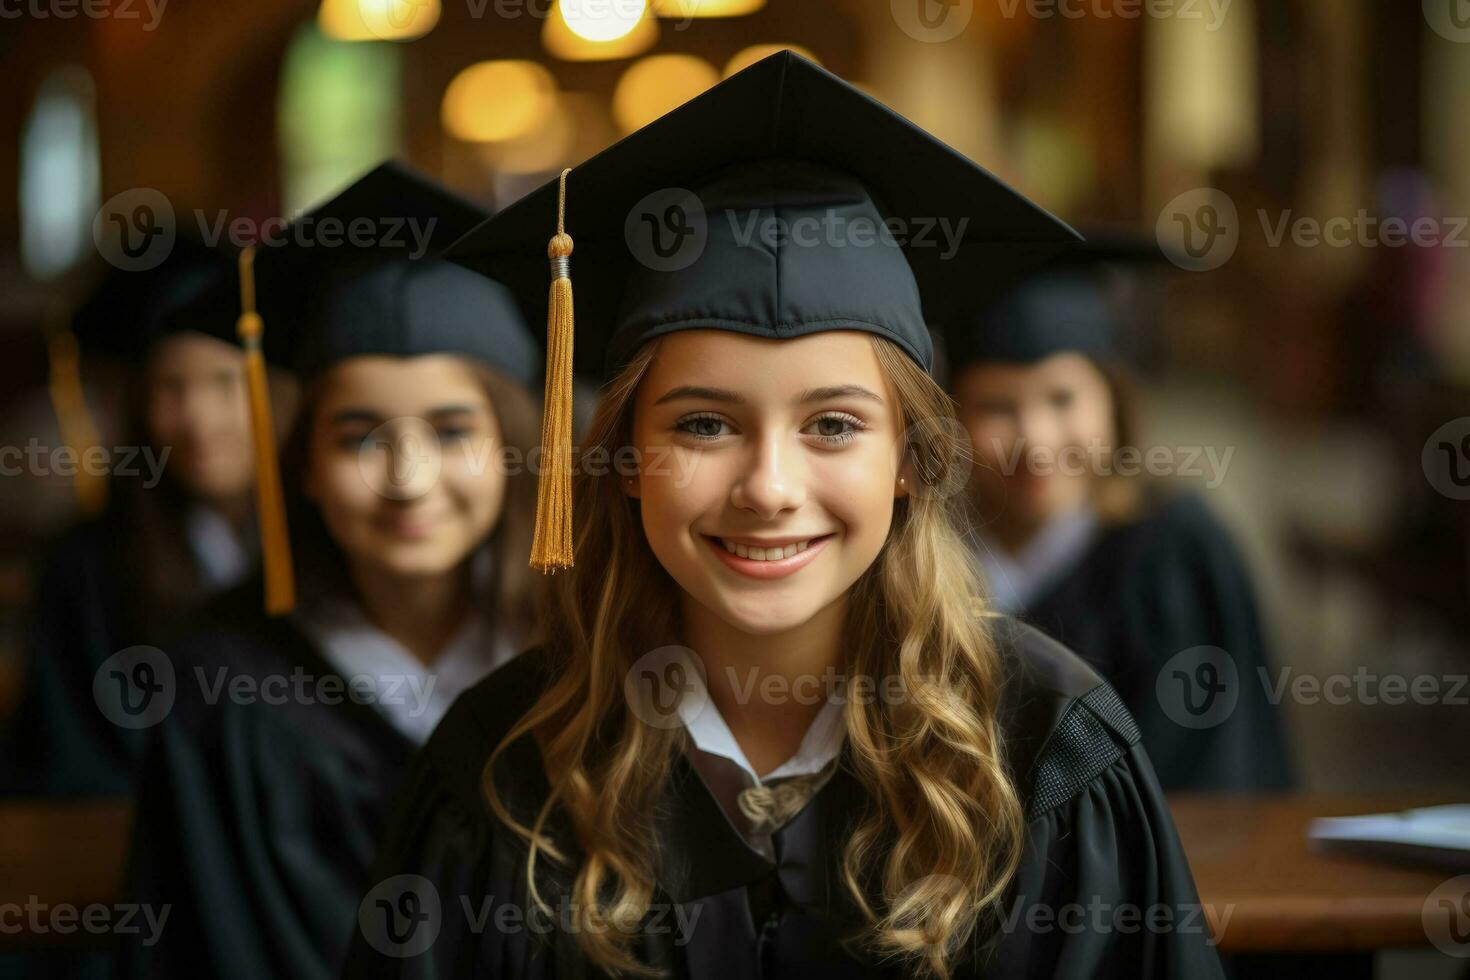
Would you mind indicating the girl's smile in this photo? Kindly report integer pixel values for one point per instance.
(768, 559)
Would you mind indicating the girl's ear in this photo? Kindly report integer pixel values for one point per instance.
(630, 486)
(905, 480)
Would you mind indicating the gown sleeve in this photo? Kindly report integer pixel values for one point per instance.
(448, 895)
(1104, 888)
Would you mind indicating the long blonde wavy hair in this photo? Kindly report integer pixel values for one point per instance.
(928, 862)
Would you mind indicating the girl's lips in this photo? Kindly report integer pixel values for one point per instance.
(409, 528)
(766, 570)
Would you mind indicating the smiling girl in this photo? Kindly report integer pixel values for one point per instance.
(771, 731)
(266, 787)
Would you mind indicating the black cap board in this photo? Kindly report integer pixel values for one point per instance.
(781, 202)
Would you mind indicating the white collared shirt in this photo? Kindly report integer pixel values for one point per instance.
(411, 695)
(1016, 581)
(223, 561)
(722, 764)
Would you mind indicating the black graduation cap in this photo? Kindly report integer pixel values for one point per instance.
(130, 311)
(778, 203)
(1065, 306)
(359, 275)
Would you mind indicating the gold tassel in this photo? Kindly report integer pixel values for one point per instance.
(275, 541)
(78, 431)
(552, 547)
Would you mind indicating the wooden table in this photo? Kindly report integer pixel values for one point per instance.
(1251, 858)
(59, 853)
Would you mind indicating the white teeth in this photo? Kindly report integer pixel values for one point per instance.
(765, 554)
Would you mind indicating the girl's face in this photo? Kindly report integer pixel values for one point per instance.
(1038, 431)
(768, 470)
(199, 407)
(403, 462)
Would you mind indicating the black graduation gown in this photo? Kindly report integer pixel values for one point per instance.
(59, 743)
(257, 822)
(1148, 591)
(1099, 841)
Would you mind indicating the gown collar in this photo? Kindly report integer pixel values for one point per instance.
(1016, 581)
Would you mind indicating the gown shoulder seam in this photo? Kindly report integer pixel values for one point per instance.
(1094, 733)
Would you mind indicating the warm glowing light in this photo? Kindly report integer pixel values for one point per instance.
(744, 59)
(658, 84)
(377, 20)
(684, 9)
(496, 101)
(604, 30)
(601, 20)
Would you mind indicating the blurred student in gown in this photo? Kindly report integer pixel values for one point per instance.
(1124, 569)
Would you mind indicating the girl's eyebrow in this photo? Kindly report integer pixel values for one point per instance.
(731, 398)
(351, 415)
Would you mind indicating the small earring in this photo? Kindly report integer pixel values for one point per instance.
(903, 482)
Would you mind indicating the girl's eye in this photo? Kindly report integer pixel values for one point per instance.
(1062, 398)
(454, 433)
(702, 426)
(836, 428)
(354, 441)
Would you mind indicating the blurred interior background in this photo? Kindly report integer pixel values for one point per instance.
(1325, 370)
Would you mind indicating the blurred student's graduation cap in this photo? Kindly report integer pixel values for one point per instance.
(123, 318)
(360, 275)
(1065, 306)
(764, 206)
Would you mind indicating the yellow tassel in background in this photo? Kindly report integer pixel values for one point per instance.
(275, 541)
(77, 429)
(552, 547)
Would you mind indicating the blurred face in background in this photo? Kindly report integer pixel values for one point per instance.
(1038, 431)
(198, 407)
(404, 463)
